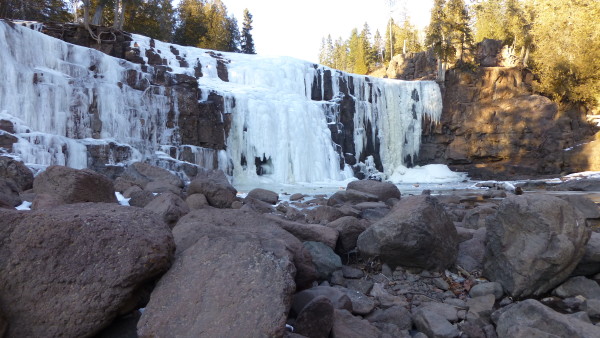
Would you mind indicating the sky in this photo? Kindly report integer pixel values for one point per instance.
(295, 28)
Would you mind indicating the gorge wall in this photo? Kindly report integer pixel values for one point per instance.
(494, 126)
(131, 98)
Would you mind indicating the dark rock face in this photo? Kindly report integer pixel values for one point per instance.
(416, 233)
(414, 66)
(74, 186)
(533, 243)
(69, 271)
(493, 126)
(226, 259)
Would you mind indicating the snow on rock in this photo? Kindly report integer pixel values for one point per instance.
(285, 120)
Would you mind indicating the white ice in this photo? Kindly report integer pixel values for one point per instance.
(24, 206)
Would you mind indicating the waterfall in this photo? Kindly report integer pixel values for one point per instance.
(284, 120)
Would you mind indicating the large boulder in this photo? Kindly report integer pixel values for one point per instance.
(169, 207)
(264, 195)
(233, 276)
(417, 233)
(533, 243)
(349, 228)
(70, 270)
(590, 262)
(17, 172)
(215, 187)
(383, 190)
(74, 186)
(9, 194)
(531, 314)
(140, 174)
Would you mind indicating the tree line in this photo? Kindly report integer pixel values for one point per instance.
(198, 23)
(559, 40)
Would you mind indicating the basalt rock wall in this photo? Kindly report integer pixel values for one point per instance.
(494, 127)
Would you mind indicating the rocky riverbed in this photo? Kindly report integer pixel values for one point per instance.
(196, 259)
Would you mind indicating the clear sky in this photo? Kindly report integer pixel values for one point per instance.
(295, 28)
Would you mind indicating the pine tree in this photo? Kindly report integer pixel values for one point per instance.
(247, 42)
(192, 22)
(460, 34)
(378, 46)
(489, 20)
(39, 10)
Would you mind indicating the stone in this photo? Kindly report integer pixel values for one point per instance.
(533, 243)
(480, 308)
(308, 232)
(324, 259)
(316, 318)
(471, 252)
(391, 331)
(360, 285)
(336, 296)
(141, 198)
(140, 173)
(581, 315)
(448, 311)
(169, 207)
(9, 194)
(487, 288)
(584, 184)
(532, 314)
(417, 233)
(264, 195)
(17, 172)
(590, 262)
(45, 201)
(127, 193)
(576, 286)
(323, 214)
(592, 308)
(3, 325)
(475, 218)
(215, 186)
(397, 315)
(196, 201)
(345, 325)
(383, 190)
(225, 259)
(296, 197)
(350, 196)
(434, 325)
(162, 186)
(385, 298)
(70, 270)
(349, 229)
(74, 186)
(464, 234)
(361, 304)
(259, 206)
(351, 272)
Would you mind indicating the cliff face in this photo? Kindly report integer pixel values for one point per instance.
(494, 127)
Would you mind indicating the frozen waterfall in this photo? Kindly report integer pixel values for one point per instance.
(285, 120)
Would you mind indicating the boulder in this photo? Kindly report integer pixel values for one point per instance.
(349, 229)
(315, 319)
(308, 232)
(169, 207)
(264, 195)
(471, 252)
(9, 194)
(345, 325)
(196, 201)
(590, 262)
(350, 196)
(323, 214)
(533, 316)
(140, 173)
(45, 201)
(215, 186)
(338, 298)
(397, 315)
(74, 186)
(252, 204)
(434, 325)
(127, 193)
(70, 270)
(17, 172)
(487, 288)
(533, 243)
(325, 260)
(584, 184)
(233, 276)
(361, 304)
(141, 198)
(161, 186)
(383, 190)
(416, 233)
(578, 286)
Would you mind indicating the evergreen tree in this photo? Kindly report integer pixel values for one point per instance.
(460, 34)
(153, 18)
(192, 22)
(489, 23)
(38, 10)
(378, 47)
(247, 42)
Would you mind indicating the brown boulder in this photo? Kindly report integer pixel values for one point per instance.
(9, 194)
(70, 270)
(215, 186)
(233, 276)
(383, 190)
(140, 173)
(17, 172)
(264, 195)
(169, 207)
(74, 186)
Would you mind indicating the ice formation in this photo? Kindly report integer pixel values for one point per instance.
(64, 99)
